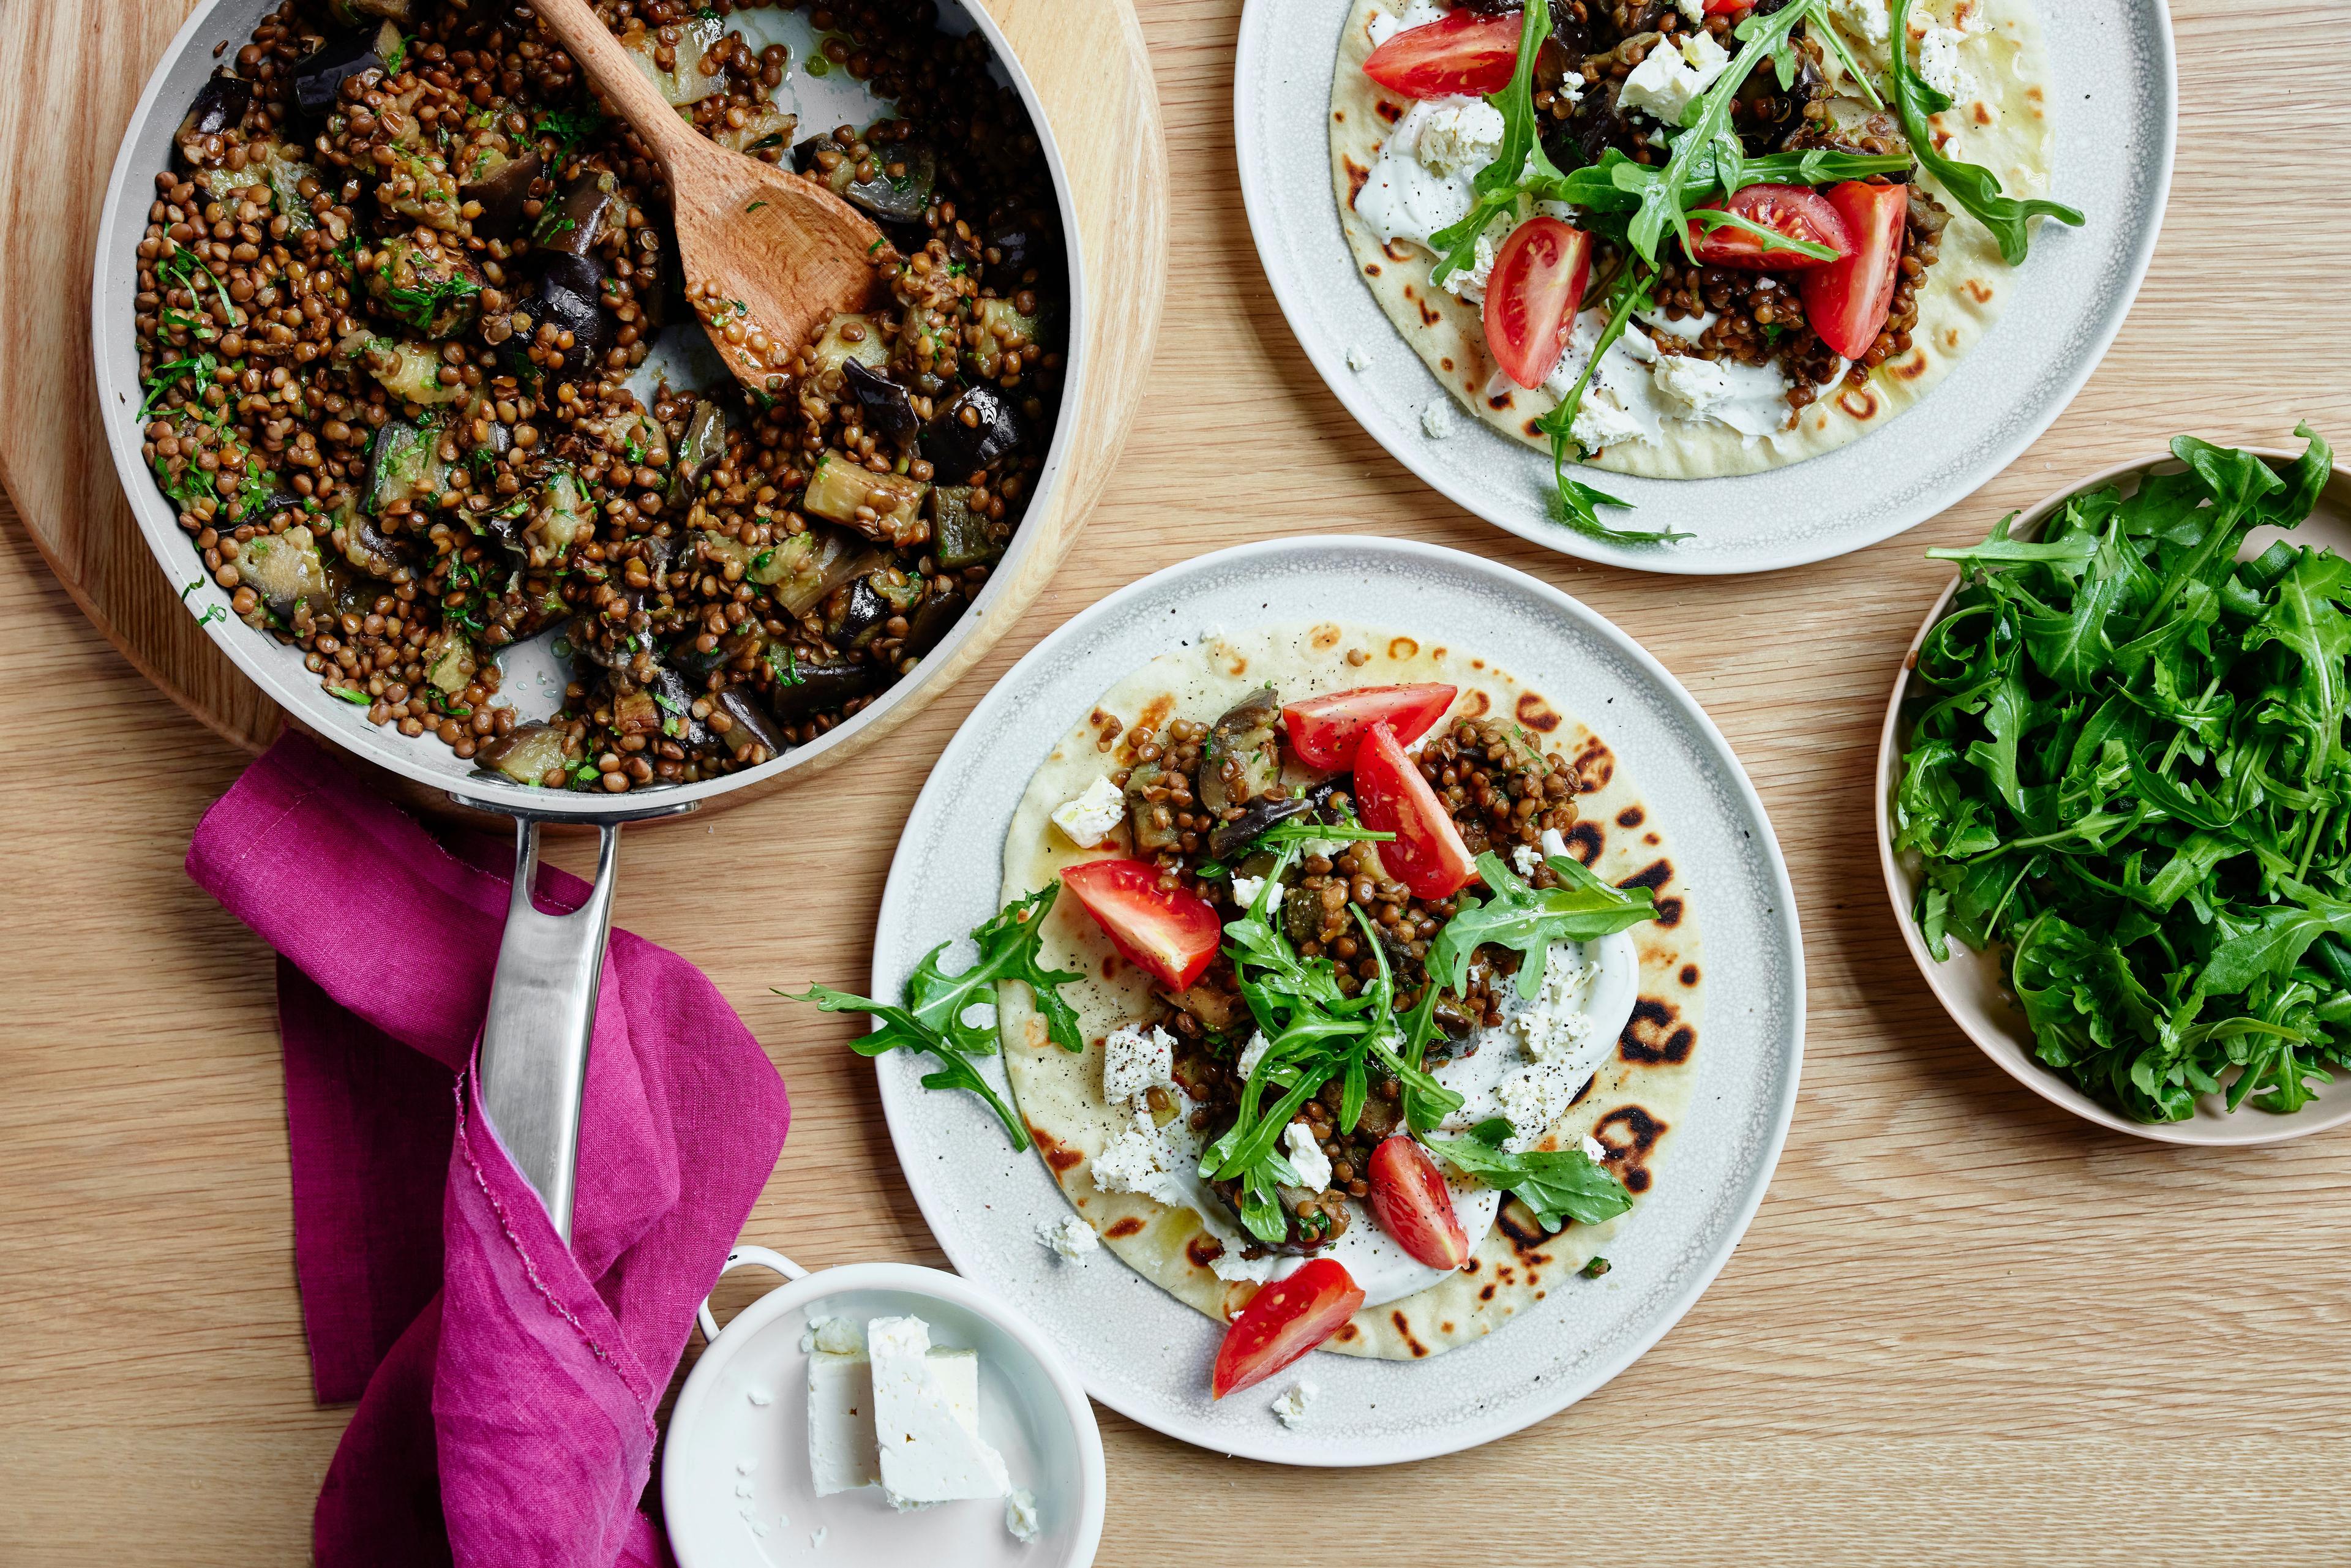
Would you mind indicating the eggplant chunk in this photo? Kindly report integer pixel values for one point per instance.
(449, 661)
(219, 106)
(403, 465)
(747, 726)
(1242, 758)
(685, 82)
(363, 546)
(410, 372)
(961, 536)
(971, 433)
(499, 185)
(529, 753)
(931, 622)
(436, 291)
(905, 175)
(698, 453)
(883, 404)
(567, 295)
(283, 570)
(560, 517)
(849, 336)
(318, 79)
(821, 687)
(1228, 838)
(884, 507)
(401, 11)
(765, 132)
(1016, 240)
(1151, 822)
(805, 576)
(587, 210)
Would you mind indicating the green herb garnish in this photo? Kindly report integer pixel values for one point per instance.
(1527, 922)
(1971, 185)
(932, 1019)
(1559, 1185)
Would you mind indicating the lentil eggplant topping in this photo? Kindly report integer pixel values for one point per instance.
(393, 292)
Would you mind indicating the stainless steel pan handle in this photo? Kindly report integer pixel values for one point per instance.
(542, 1014)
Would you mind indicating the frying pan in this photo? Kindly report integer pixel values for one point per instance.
(534, 1053)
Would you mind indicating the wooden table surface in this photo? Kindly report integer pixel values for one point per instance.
(1963, 1328)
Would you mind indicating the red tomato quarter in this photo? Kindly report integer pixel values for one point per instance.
(1790, 210)
(1168, 932)
(1530, 298)
(1325, 731)
(1847, 301)
(1727, 7)
(1462, 55)
(1284, 1321)
(1412, 1203)
(1426, 854)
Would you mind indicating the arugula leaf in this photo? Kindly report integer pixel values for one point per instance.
(932, 1017)
(1518, 165)
(1577, 504)
(1527, 921)
(1974, 186)
(1559, 1185)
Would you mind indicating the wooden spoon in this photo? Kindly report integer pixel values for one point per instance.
(768, 254)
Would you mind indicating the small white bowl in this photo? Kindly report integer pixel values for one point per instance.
(1973, 987)
(721, 1441)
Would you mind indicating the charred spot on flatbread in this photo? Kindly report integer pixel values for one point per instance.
(1058, 1155)
(1594, 765)
(1404, 1327)
(1123, 1228)
(1630, 817)
(1397, 250)
(1535, 713)
(1584, 843)
(1388, 112)
(1357, 175)
(1689, 975)
(1655, 1034)
(1372, 269)
(1203, 1250)
(1630, 1136)
(1531, 426)
(1861, 403)
(1653, 876)
(1402, 647)
(1475, 705)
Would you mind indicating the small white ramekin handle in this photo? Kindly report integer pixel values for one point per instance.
(751, 1258)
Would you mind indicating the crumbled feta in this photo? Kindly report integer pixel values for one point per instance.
(759, 1397)
(1359, 358)
(816, 1537)
(1291, 1404)
(1939, 62)
(1383, 26)
(1071, 1237)
(834, 1336)
(1134, 1058)
(1403, 198)
(1307, 1158)
(1469, 282)
(1437, 420)
(1141, 1159)
(1252, 1054)
(1693, 9)
(1555, 1026)
(1863, 21)
(1620, 404)
(1667, 83)
(1021, 1513)
(1527, 859)
(1532, 1099)
(1246, 889)
(1087, 819)
(1593, 1150)
(1461, 138)
(1697, 384)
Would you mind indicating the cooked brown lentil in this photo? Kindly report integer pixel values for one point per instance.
(389, 295)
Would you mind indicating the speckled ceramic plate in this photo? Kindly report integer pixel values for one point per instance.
(1137, 1348)
(2113, 108)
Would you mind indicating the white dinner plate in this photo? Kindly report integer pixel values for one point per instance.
(2112, 108)
(1139, 1350)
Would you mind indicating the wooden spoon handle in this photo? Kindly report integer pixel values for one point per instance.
(616, 74)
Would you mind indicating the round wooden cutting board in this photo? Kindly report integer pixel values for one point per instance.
(78, 72)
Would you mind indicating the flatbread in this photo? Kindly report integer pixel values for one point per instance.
(1632, 1105)
(2003, 125)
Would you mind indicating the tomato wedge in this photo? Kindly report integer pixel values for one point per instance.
(1532, 294)
(1426, 854)
(1168, 932)
(1287, 1318)
(1847, 301)
(1462, 55)
(1412, 1203)
(1727, 7)
(1325, 731)
(1790, 210)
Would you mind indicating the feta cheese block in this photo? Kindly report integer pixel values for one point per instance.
(926, 1418)
(841, 1452)
(1307, 1158)
(1670, 80)
(1136, 1058)
(1247, 888)
(1091, 817)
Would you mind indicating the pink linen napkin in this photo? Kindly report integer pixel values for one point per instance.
(505, 1384)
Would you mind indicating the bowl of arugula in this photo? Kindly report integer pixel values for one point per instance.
(2114, 795)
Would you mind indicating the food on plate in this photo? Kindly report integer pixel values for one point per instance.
(1683, 240)
(2124, 772)
(887, 1408)
(395, 306)
(1439, 1029)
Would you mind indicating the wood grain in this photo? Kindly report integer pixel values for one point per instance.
(1964, 1329)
